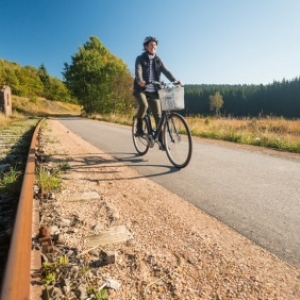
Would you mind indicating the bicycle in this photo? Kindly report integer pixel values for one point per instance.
(176, 135)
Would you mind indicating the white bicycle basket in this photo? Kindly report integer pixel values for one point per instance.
(172, 98)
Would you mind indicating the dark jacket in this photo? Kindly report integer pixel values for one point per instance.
(142, 68)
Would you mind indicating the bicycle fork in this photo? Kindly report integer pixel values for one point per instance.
(148, 136)
(173, 133)
(150, 140)
(152, 135)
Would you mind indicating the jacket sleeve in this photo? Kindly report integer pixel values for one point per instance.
(138, 69)
(166, 71)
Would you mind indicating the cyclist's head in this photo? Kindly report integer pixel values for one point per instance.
(149, 39)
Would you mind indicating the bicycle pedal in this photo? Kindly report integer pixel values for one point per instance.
(138, 134)
(150, 140)
(160, 146)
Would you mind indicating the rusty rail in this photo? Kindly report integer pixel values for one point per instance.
(16, 279)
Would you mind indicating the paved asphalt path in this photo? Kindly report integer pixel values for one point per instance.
(256, 194)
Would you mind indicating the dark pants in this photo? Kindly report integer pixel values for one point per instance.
(144, 99)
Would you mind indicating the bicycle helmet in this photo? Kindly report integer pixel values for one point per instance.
(149, 39)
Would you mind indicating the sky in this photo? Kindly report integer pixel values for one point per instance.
(200, 41)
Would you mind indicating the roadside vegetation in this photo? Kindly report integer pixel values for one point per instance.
(269, 132)
(97, 84)
(14, 141)
(10, 181)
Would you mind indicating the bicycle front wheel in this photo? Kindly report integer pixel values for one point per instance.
(177, 140)
(140, 143)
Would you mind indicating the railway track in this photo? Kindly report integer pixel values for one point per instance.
(93, 266)
(41, 265)
(17, 258)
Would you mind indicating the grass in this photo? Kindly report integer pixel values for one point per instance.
(60, 269)
(15, 135)
(269, 132)
(24, 117)
(5, 121)
(48, 181)
(24, 108)
(276, 133)
(41, 107)
(10, 181)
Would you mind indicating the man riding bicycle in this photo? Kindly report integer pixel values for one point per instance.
(148, 68)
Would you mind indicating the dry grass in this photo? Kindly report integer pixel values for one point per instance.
(37, 107)
(3, 120)
(275, 133)
(7, 120)
(43, 107)
(278, 126)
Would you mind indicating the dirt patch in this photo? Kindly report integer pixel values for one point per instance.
(178, 252)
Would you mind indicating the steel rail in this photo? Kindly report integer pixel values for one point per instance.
(16, 278)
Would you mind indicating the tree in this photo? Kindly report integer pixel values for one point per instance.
(44, 77)
(29, 82)
(216, 102)
(96, 78)
(58, 91)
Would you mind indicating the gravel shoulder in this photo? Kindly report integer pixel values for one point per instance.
(177, 251)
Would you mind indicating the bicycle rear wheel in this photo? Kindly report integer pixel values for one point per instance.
(177, 140)
(140, 143)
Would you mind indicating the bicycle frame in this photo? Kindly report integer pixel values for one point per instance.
(169, 133)
(154, 134)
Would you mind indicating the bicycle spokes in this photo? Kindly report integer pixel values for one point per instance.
(173, 131)
(140, 142)
(178, 140)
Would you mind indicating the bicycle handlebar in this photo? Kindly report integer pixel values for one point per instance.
(164, 84)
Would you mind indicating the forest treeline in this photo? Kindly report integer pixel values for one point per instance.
(281, 99)
(102, 83)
